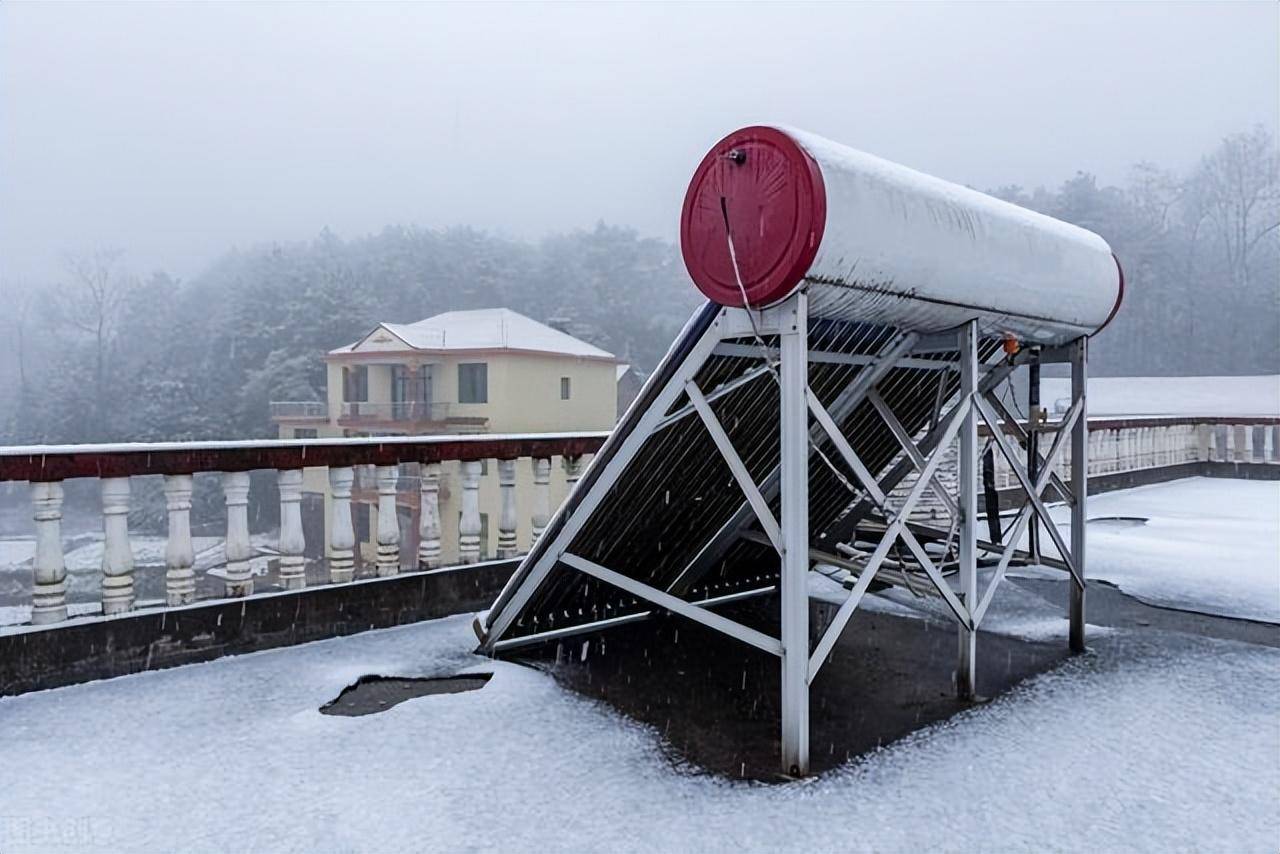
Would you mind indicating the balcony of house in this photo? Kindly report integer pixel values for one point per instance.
(299, 411)
(409, 416)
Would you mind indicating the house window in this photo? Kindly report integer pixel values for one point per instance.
(564, 388)
(473, 382)
(355, 384)
(306, 433)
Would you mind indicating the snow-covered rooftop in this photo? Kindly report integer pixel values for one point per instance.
(1223, 396)
(479, 329)
(1137, 748)
(1159, 741)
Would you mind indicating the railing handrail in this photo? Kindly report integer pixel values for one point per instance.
(58, 462)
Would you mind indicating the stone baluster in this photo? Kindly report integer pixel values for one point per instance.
(429, 516)
(49, 599)
(342, 536)
(1238, 443)
(572, 471)
(117, 554)
(469, 524)
(541, 496)
(388, 558)
(1246, 447)
(293, 563)
(239, 575)
(179, 554)
(507, 518)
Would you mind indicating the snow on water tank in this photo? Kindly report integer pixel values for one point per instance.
(878, 242)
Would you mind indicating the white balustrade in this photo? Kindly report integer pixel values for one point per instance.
(469, 523)
(1113, 449)
(541, 496)
(49, 599)
(117, 554)
(429, 516)
(507, 517)
(179, 554)
(342, 536)
(292, 546)
(238, 573)
(388, 557)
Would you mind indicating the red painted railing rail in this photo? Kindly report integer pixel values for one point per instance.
(61, 462)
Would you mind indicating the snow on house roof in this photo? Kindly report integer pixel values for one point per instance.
(480, 329)
(1222, 396)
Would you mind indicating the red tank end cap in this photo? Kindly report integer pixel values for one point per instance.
(1119, 295)
(771, 191)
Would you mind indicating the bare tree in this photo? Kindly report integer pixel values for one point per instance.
(1236, 189)
(91, 304)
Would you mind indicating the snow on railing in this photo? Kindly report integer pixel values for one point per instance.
(300, 465)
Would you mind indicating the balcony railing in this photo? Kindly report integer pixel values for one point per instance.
(116, 466)
(284, 410)
(1120, 445)
(404, 410)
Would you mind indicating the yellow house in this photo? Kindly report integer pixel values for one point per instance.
(484, 371)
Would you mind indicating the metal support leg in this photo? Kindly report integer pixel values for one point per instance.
(794, 428)
(968, 502)
(1079, 487)
(1033, 446)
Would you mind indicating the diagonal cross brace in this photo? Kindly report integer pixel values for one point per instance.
(869, 483)
(1012, 423)
(852, 395)
(895, 525)
(1028, 487)
(736, 466)
(913, 453)
(1024, 515)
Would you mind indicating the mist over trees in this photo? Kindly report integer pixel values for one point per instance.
(1201, 259)
(112, 356)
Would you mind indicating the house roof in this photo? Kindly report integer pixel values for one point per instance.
(480, 329)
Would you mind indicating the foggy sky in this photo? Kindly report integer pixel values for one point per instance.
(176, 131)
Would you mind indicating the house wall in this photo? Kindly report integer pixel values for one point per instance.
(523, 397)
(527, 398)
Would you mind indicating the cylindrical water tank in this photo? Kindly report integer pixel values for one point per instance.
(878, 242)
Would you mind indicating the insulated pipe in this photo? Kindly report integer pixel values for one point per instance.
(877, 242)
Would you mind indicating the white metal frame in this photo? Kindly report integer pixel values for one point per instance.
(789, 532)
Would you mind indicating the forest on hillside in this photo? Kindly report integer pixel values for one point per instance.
(105, 355)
